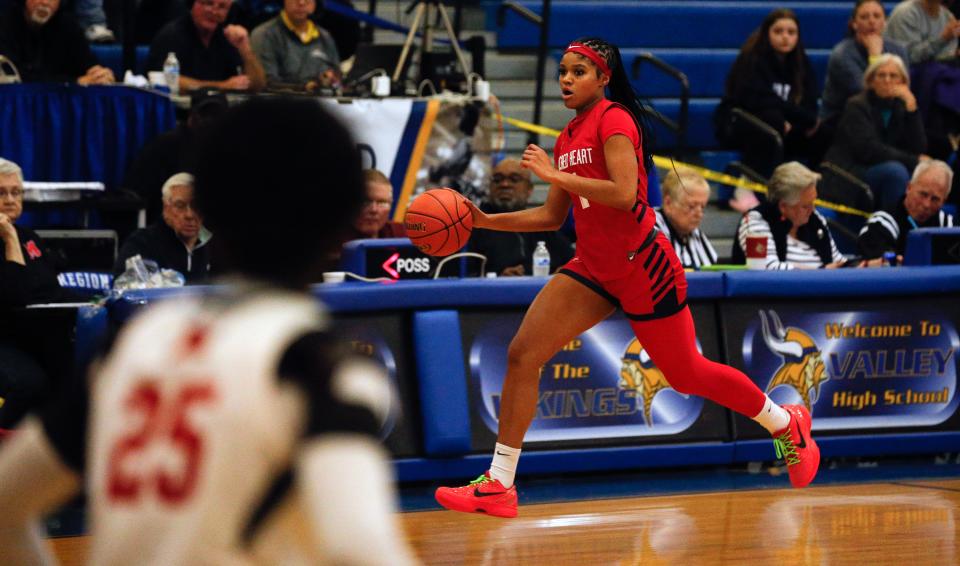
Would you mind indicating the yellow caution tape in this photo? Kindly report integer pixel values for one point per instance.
(669, 163)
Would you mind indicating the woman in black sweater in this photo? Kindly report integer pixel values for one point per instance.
(772, 78)
(26, 276)
(881, 137)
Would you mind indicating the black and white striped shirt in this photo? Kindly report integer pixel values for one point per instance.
(694, 251)
(800, 255)
(886, 230)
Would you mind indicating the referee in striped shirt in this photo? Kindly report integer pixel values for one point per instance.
(685, 196)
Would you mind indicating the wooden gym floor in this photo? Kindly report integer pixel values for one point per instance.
(900, 522)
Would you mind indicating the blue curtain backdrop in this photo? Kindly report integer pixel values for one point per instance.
(61, 132)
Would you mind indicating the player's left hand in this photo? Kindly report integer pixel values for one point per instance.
(536, 159)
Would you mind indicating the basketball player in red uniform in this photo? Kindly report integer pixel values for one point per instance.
(230, 427)
(622, 261)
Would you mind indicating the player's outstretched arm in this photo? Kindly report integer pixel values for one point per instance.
(548, 216)
(347, 488)
(33, 482)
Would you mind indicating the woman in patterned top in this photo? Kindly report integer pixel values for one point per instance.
(797, 235)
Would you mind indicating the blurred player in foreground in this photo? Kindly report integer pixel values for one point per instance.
(228, 428)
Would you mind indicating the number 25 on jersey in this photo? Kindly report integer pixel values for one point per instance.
(163, 422)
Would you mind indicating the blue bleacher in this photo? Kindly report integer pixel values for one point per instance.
(112, 56)
(705, 68)
(676, 24)
(700, 38)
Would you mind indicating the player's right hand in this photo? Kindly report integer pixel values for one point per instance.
(238, 82)
(480, 218)
(7, 230)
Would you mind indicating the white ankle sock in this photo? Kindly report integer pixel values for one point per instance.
(773, 417)
(504, 465)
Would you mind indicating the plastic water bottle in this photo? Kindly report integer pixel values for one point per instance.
(171, 72)
(541, 260)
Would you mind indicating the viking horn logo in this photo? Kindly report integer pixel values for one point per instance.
(803, 367)
(638, 373)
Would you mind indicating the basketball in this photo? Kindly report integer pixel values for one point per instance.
(438, 222)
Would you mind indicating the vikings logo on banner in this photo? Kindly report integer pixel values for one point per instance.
(802, 365)
(857, 369)
(638, 373)
(364, 340)
(600, 385)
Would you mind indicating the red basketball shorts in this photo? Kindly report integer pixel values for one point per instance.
(655, 288)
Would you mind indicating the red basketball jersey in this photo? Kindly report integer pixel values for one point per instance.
(605, 236)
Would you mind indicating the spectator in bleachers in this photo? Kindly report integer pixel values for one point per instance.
(851, 57)
(886, 230)
(179, 241)
(47, 45)
(296, 51)
(172, 152)
(27, 276)
(930, 31)
(881, 137)
(685, 197)
(511, 253)
(374, 219)
(772, 79)
(211, 55)
(797, 235)
(926, 28)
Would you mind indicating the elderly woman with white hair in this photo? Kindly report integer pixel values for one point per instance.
(797, 235)
(685, 197)
(881, 138)
(27, 276)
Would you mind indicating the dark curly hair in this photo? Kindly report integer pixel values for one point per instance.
(278, 181)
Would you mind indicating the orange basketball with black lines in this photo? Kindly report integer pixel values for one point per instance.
(439, 222)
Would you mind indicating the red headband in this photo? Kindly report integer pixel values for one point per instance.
(581, 49)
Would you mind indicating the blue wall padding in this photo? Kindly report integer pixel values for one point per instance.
(442, 377)
(827, 283)
(873, 444)
(705, 285)
(574, 460)
(920, 244)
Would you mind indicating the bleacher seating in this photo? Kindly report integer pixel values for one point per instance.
(706, 70)
(675, 24)
(700, 38)
(111, 56)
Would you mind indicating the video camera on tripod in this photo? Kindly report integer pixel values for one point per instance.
(439, 68)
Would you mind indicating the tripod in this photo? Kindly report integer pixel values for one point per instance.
(427, 6)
